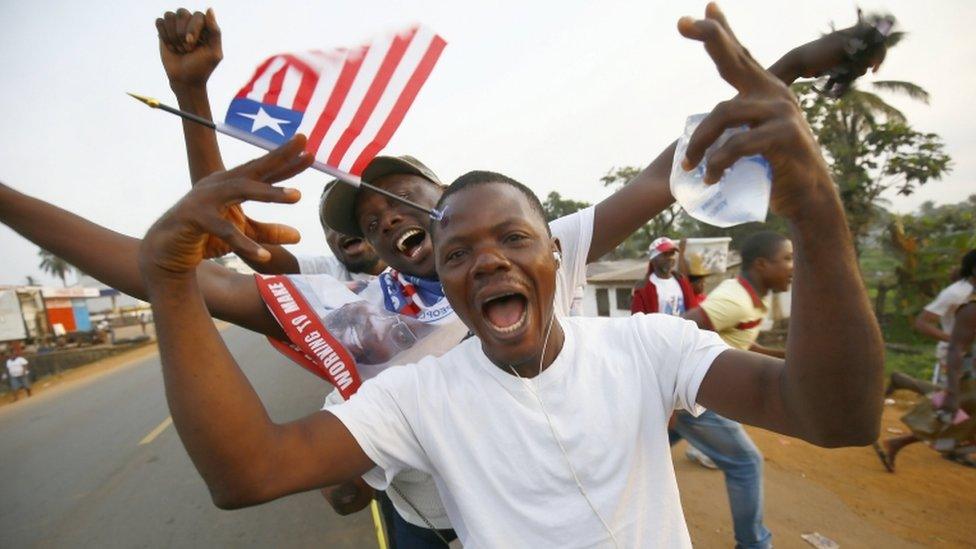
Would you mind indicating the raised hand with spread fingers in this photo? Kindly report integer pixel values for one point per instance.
(828, 390)
(178, 241)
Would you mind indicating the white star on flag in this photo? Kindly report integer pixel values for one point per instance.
(261, 119)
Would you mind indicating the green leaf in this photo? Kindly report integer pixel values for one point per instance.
(902, 87)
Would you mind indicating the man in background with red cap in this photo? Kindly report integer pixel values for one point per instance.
(663, 290)
(713, 441)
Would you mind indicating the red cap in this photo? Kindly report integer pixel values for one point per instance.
(659, 246)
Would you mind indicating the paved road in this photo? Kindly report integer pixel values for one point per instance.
(72, 471)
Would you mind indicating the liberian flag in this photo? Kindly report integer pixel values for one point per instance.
(347, 101)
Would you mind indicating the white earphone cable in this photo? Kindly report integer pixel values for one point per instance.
(552, 429)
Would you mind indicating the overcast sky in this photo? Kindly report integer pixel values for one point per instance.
(553, 93)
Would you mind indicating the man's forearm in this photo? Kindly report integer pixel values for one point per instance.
(631, 207)
(112, 258)
(649, 194)
(924, 327)
(349, 497)
(953, 369)
(963, 334)
(202, 149)
(282, 262)
(776, 353)
(216, 412)
(832, 382)
(102, 253)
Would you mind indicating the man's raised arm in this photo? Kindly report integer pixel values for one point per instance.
(112, 258)
(190, 48)
(648, 194)
(243, 456)
(828, 391)
(960, 342)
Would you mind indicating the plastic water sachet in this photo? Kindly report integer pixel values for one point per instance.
(741, 196)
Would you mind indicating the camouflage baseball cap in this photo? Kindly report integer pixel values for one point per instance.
(336, 207)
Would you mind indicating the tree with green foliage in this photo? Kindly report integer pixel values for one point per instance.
(871, 148)
(663, 224)
(54, 265)
(928, 245)
(556, 206)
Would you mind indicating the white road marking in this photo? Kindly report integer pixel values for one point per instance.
(157, 431)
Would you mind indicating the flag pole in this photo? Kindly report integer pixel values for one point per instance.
(248, 137)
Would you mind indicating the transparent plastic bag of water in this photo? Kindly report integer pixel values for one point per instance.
(741, 196)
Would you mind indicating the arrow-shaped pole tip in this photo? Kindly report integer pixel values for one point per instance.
(147, 100)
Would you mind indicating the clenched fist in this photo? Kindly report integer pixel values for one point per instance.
(189, 46)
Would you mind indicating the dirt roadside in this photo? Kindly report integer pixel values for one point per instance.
(844, 494)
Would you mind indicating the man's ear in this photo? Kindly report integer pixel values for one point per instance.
(557, 250)
(760, 264)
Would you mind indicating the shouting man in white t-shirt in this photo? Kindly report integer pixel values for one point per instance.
(545, 430)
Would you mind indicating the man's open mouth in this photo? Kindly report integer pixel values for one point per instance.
(505, 313)
(352, 245)
(410, 242)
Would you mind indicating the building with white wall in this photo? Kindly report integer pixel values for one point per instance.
(610, 285)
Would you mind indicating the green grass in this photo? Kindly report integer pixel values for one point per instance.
(877, 263)
(916, 365)
(898, 329)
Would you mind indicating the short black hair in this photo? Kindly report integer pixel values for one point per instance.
(482, 177)
(968, 266)
(761, 245)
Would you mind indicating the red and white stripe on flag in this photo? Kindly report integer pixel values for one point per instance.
(350, 101)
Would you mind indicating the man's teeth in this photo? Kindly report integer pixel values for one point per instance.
(513, 327)
(509, 329)
(401, 242)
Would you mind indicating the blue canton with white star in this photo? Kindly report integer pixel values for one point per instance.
(271, 122)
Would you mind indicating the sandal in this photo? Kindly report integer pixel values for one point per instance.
(883, 456)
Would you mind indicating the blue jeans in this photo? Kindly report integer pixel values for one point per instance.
(726, 442)
(20, 382)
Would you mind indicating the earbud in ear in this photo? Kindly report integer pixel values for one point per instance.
(557, 256)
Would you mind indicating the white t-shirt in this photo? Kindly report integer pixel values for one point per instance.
(483, 436)
(575, 232)
(576, 306)
(15, 366)
(945, 305)
(330, 265)
(669, 297)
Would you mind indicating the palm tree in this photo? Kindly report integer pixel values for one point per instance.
(54, 265)
(858, 111)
